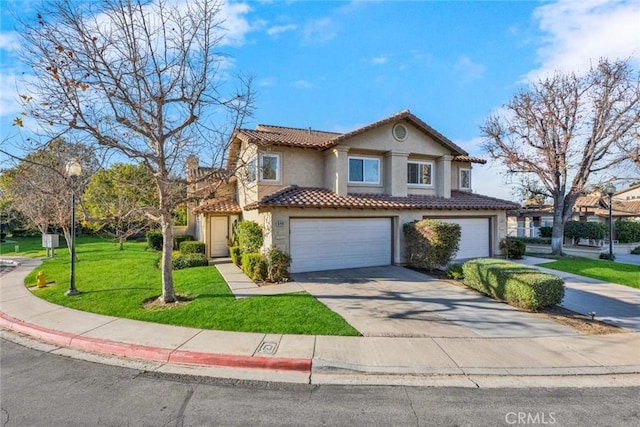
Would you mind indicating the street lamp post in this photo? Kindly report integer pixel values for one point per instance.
(73, 170)
(610, 191)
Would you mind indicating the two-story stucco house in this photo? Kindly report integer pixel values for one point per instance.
(336, 200)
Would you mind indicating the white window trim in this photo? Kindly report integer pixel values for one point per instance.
(413, 184)
(363, 182)
(278, 166)
(460, 187)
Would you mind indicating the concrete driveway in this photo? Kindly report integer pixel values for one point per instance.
(396, 301)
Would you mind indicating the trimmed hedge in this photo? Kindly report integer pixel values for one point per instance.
(430, 243)
(179, 238)
(545, 232)
(250, 238)
(154, 240)
(533, 240)
(236, 255)
(516, 284)
(513, 248)
(249, 262)
(627, 231)
(585, 230)
(181, 260)
(190, 247)
(259, 273)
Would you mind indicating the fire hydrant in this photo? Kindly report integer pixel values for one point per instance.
(40, 280)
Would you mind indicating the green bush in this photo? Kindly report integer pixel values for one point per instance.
(154, 240)
(585, 230)
(627, 231)
(259, 273)
(249, 262)
(545, 232)
(430, 243)
(512, 248)
(278, 263)
(605, 255)
(518, 285)
(181, 261)
(635, 251)
(533, 240)
(190, 247)
(178, 239)
(454, 271)
(236, 255)
(250, 238)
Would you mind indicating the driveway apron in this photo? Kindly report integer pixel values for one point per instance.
(396, 301)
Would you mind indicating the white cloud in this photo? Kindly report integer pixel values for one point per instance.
(279, 29)
(580, 32)
(382, 59)
(235, 23)
(467, 69)
(319, 30)
(303, 84)
(9, 41)
(266, 82)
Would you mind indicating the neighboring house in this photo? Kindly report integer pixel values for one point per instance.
(335, 200)
(526, 221)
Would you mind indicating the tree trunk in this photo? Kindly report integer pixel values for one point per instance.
(168, 293)
(557, 232)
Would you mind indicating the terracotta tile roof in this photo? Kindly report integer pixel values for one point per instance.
(219, 206)
(310, 138)
(628, 205)
(305, 197)
(589, 201)
(293, 137)
(469, 159)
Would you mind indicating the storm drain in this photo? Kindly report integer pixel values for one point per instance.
(268, 348)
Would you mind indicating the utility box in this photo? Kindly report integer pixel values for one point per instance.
(50, 242)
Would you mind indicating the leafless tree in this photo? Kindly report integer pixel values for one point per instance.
(143, 78)
(563, 130)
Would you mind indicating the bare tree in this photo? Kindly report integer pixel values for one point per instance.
(142, 78)
(554, 136)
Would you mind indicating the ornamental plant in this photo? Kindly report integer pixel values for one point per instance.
(250, 237)
(430, 243)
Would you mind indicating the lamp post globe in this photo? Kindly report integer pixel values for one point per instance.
(73, 169)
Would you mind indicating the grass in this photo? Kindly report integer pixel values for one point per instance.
(609, 271)
(117, 283)
(26, 246)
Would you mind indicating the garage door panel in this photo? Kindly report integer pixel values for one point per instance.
(326, 244)
(474, 238)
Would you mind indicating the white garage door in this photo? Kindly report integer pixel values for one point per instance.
(328, 244)
(474, 239)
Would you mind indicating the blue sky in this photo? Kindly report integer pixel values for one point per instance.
(337, 66)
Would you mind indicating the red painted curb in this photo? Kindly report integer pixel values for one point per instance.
(155, 354)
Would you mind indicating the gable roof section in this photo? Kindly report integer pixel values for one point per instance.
(310, 138)
(219, 205)
(311, 197)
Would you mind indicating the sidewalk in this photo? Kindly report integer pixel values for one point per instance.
(452, 361)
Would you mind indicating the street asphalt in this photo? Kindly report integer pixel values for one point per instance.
(417, 331)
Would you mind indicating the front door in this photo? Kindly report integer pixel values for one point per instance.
(219, 236)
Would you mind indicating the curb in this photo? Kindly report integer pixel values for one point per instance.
(155, 354)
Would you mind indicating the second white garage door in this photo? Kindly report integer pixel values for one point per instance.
(328, 244)
(474, 239)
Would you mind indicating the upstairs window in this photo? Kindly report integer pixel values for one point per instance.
(364, 170)
(251, 168)
(420, 173)
(465, 179)
(269, 167)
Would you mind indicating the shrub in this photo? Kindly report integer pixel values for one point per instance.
(545, 232)
(533, 240)
(430, 243)
(178, 239)
(249, 262)
(260, 268)
(512, 248)
(627, 231)
(181, 260)
(605, 255)
(154, 240)
(635, 251)
(278, 263)
(190, 247)
(250, 236)
(585, 230)
(454, 271)
(236, 255)
(518, 285)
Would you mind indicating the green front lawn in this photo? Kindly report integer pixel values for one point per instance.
(116, 283)
(609, 271)
(25, 246)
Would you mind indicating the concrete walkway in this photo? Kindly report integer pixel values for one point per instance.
(560, 360)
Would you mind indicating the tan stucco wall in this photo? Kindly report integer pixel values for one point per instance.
(278, 232)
